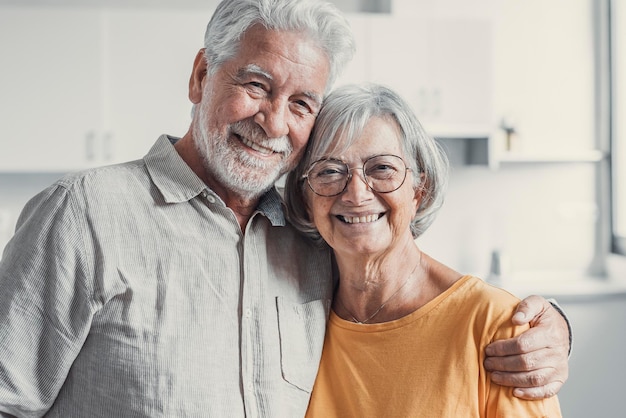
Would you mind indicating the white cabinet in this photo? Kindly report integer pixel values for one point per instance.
(49, 88)
(442, 66)
(87, 87)
(83, 87)
(548, 80)
(150, 55)
(358, 70)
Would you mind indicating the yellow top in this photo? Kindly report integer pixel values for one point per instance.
(426, 364)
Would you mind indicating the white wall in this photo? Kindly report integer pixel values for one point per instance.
(543, 217)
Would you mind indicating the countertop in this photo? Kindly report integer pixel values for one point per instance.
(569, 286)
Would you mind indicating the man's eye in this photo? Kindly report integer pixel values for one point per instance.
(255, 87)
(302, 107)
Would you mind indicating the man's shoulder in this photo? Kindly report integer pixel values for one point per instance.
(104, 175)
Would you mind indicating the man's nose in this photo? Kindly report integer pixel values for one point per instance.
(273, 116)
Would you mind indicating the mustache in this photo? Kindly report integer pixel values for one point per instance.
(254, 133)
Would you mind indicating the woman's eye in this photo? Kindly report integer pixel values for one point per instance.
(382, 171)
(382, 167)
(329, 172)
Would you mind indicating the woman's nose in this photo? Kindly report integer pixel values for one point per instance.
(357, 189)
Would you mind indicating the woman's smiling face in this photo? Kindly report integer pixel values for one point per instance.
(360, 220)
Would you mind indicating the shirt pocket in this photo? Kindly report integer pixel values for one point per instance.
(301, 328)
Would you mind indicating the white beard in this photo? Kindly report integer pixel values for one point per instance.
(234, 168)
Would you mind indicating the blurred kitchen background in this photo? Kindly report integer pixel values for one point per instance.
(527, 96)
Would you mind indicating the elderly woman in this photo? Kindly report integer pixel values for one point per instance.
(406, 334)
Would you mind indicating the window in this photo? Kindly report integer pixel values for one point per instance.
(618, 124)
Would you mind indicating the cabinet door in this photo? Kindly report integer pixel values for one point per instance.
(357, 70)
(398, 59)
(49, 88)
(442, 66)
(150, 55)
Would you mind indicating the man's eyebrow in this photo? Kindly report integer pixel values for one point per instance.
(255, 69)
(315, 97)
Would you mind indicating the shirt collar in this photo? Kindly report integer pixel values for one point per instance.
(178, 183)
(172, 176)
(271, 205)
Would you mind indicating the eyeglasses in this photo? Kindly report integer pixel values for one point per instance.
(382, 173)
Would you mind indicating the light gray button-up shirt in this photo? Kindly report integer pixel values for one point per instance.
(130, 291)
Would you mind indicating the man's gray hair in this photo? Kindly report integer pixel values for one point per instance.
(322, 21)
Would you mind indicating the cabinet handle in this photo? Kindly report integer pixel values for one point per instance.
(90, 139)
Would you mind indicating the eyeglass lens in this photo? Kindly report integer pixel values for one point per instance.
(382, 173)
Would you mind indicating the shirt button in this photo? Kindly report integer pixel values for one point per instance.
(210, 198)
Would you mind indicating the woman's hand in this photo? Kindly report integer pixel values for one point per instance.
(534, 362)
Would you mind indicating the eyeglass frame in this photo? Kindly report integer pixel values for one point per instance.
(349, 176)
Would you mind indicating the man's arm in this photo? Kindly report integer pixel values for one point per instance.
(45, 308)
(535, 362)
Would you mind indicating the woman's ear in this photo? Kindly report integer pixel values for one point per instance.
(420, 192)
(198, 74)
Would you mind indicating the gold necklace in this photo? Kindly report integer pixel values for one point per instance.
(365, 321)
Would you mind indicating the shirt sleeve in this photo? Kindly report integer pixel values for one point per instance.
(45, 304)
(558, 308)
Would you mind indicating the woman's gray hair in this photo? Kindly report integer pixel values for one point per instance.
(344, 114)
(321, 20)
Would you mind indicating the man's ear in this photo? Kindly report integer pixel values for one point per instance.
(198, 75)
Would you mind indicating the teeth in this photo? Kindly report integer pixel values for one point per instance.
(256, 147)
(360, 219)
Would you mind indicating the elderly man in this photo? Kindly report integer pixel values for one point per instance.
(172, 285)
